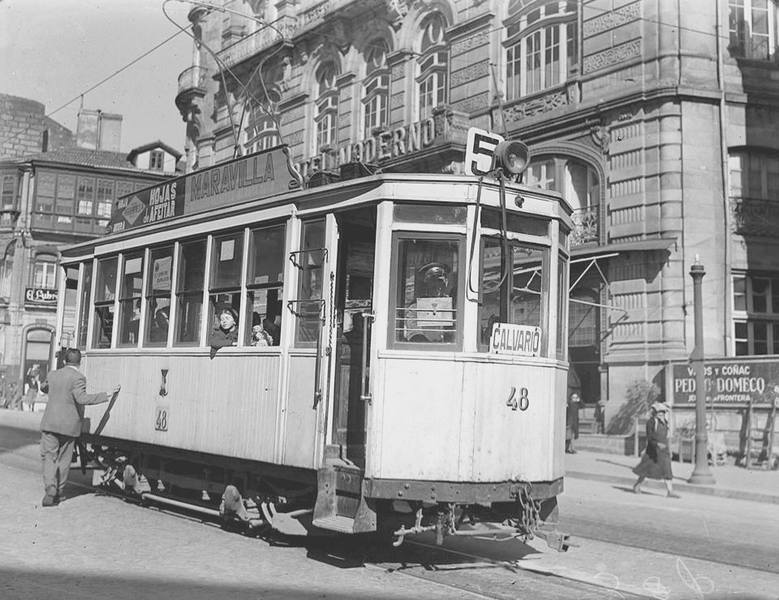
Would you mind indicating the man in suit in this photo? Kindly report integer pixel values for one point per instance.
(61, 422)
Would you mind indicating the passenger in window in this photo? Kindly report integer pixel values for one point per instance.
(227, 332)
(260, 337)
(159, 330)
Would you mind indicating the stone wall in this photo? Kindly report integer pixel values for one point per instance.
(22, 123)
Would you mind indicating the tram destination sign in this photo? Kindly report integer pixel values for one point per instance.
(253, 177)
(519, 340)
(729, 382)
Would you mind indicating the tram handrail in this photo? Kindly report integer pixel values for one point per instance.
(365, 395)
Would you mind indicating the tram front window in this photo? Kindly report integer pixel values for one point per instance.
(524, 286)
(264, 282)
(130, 300)
(189, 292)
(310, 261)
(427, 282)
(105, 292)
(224, 289)
(158, 290)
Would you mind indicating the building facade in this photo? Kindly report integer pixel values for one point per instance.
(50, 197)
(656, 120)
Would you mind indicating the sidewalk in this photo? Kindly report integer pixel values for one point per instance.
(731, 481)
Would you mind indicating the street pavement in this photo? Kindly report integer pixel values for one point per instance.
(701, 546)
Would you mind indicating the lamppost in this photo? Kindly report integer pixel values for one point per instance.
(701, 474)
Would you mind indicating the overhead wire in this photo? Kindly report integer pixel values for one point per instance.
(223, 67)
(95, 86)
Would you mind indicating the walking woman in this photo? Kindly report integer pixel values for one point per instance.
(656, 460)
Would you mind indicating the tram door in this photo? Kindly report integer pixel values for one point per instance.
(354, 290)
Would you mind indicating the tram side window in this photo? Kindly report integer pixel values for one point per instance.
(427, 280)
(189, 293)
(264, 283)
(225, 283)
(158, 289)
(130, 300)
(310, 261)
(522, 281)
(105, 293)
(86, 297)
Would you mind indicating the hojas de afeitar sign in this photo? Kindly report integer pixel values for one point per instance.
(253, 177)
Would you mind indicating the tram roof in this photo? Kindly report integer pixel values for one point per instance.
(372, 189)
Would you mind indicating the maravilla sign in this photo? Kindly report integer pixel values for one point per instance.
(729, 382)
(256, 176)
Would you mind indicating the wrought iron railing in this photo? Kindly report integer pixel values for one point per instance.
(755, 216)
(586, 226)
(258, 41)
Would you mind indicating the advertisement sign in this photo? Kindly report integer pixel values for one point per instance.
(256, 176)
(519, 340)
(40, 297)
(729, 382)
(151, 205)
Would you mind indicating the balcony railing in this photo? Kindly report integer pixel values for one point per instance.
(192, 78)
(755, 216)
(586, 226)
(256, 42)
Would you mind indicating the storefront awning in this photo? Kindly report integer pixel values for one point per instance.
(610, 250)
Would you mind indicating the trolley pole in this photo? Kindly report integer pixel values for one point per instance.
(701, 474)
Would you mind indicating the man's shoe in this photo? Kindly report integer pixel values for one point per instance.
(673, 495)
(49, 501)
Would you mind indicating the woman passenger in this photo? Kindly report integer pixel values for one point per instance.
(227, 332)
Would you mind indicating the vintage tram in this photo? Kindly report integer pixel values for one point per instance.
(398, 363)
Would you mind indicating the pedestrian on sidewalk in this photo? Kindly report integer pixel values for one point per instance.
(61, 422)
(656, 460)
(571, 422)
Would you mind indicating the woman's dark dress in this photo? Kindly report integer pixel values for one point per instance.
(656, 460)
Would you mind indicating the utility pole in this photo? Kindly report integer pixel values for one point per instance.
(701, 474)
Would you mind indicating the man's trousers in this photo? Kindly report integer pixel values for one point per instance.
(56, 454)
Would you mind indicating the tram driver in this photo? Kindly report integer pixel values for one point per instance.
(430, 317)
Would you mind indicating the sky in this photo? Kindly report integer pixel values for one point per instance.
(52, 51)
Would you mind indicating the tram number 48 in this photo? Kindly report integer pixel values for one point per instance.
(518, 400)
(161, 422)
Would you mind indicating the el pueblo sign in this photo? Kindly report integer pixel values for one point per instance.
(729, 382)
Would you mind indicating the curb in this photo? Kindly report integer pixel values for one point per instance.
(685, 487)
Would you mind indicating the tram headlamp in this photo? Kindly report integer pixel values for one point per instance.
(512, 156)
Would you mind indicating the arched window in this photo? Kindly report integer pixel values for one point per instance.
(541, 46)
(433, 65)
(580, 185)
(375, 86)
(326, 106)
(260, 132)
(44, 273)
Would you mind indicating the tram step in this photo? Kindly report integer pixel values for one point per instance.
(338, 523)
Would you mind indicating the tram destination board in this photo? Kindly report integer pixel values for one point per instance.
(253, 177)
(729, 382)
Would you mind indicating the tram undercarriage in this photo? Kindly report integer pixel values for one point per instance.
(253, 497)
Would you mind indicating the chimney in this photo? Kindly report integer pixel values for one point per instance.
(97, 130)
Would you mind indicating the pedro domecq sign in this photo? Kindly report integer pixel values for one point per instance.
(252, 177)
(730, 381)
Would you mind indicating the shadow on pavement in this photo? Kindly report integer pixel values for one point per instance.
(22, 584)
(14, 438)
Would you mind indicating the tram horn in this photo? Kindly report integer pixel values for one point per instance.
(512, 156)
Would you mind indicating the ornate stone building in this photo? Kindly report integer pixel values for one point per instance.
(657, 120)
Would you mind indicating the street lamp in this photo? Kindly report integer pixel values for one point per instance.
(701, 474)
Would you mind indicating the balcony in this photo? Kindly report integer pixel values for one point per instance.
(586, 226)
(192, 78)
(755, 216)
(258, 41)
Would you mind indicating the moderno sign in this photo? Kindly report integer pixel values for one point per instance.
(519, 340)
(733, 381)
